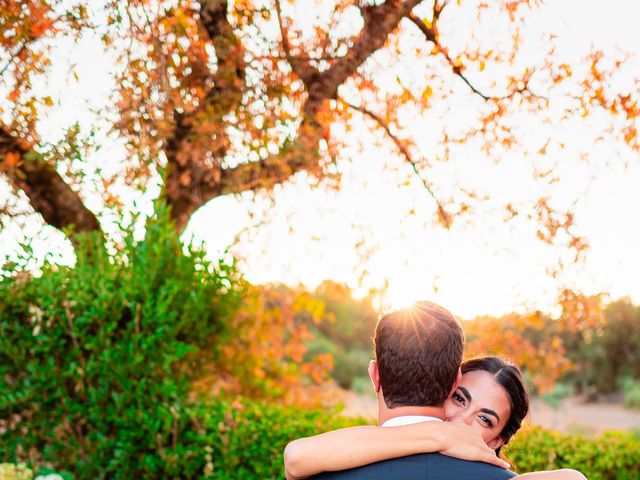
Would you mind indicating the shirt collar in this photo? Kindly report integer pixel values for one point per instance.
(408, 420)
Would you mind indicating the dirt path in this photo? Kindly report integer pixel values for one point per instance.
(572, 416)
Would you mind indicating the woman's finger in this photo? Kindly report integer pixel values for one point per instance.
(495, 460)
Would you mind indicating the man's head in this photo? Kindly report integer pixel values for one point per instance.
(418, 354)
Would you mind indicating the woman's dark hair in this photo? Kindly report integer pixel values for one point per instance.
(510, 378)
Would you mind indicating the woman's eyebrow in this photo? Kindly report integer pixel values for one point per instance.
(466, 393)
(490, 412)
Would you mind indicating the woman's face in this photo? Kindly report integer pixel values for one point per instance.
(481, 402)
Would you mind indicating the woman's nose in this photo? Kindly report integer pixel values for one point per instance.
(461, 417)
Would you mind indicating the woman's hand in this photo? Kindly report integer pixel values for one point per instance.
(464, 442)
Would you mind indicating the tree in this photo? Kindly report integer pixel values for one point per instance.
(266, 354)
(526, 340)
(605, 350)
(582, 321)
(621, 343)
(225, 97)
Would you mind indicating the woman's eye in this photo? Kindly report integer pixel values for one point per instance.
(458, 398)
(486, 421)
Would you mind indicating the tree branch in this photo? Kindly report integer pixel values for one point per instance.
(306, 58)
(405, 153)
(13, 57)
(213, 16)
(190, 183)
(379, 22)
(302, 68)
(431, 34)
(437, 10)
(48, 193)
(295, 156)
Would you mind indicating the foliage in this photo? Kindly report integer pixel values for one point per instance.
(591, 345)
(225, 441)
(349, 321)
(286, 341)
(580, 324)
(97, 360)
(225, 97)
(560, 392)
(631, 392)
(608, 456)
(254, 436)
(247, 438)
(266, 354)
(349, 366)
(601, 341)
(244, 440)
(615, 350)
(523, 339)
(20, 471)
(345, 332)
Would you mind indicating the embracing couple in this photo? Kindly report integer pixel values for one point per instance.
(437, 417)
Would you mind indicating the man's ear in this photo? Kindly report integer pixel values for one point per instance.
(456, 383)
(496, 443)
(374, 375)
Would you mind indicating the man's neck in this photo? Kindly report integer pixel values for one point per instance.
(385, 414)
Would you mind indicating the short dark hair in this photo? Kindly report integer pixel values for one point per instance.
(511, 379)
(418, 350)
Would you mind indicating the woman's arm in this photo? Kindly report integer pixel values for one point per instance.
(357, 446)
(564, 474)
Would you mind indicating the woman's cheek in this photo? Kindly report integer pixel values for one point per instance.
(449, 409)
(487, 434)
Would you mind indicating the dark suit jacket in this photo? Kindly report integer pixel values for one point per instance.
(426, 466)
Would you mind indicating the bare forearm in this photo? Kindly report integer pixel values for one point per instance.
(564, 474)
(353, 447)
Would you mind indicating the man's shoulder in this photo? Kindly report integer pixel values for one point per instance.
(427, 466)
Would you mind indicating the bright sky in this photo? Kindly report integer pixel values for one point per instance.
(364, 234)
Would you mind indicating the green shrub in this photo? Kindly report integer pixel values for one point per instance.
(612, 455)
(245, 440)
(230, 441)
(96, 360)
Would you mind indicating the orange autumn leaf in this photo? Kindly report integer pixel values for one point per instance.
(11, 159)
